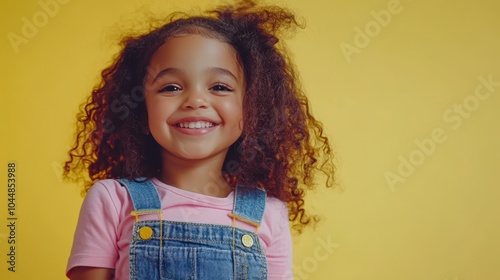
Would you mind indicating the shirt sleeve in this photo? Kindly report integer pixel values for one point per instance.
(95, 237)
(279, 252)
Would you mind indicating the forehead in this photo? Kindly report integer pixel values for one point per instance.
(193, 53)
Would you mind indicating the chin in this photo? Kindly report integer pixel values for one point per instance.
(198, 155)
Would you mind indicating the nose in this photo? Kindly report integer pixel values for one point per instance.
(195, 99)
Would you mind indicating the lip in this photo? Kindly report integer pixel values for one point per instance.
(194, 131)
(194, 119)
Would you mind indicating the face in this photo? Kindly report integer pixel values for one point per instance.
(194, 98)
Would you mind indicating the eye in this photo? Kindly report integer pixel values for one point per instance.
(220, 87)
(169, 88)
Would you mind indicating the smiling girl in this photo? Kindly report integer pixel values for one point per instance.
(199, 177)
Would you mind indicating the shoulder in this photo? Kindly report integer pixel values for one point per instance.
(103, 187)
(107, 193)
(276, 211)
(98, 228)
(275, 222)
(278, 245)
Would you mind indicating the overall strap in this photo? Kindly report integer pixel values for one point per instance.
(144, 195)
(249, 205)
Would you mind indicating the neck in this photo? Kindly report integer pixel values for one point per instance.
(198, 176)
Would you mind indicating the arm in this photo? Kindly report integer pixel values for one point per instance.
(94, 248)
(91, 273)
(279, 253)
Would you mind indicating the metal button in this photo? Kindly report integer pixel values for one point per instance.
(145, 233)
(247, 240)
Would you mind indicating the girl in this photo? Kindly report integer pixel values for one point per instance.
(199, 146)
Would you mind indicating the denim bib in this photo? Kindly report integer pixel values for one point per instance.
(177, 250)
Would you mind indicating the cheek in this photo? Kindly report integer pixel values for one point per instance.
(233, 108)
(157, 111)
(152, 116)
(233, 112)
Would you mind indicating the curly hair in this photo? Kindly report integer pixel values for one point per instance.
(282, 146)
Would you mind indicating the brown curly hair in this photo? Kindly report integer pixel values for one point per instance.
(282, 145)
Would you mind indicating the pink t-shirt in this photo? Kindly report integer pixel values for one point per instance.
(104, 230)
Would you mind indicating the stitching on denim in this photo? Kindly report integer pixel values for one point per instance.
(239, 247)
(194, 256)
(264, 267)
(243, 219)
(242, 271)
(234, 234)
(245, 267)
(146, 211)
(257, 245)
(132, 252)
(192, 224)
(160, 251)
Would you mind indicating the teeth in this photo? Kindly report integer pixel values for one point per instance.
(195, 124)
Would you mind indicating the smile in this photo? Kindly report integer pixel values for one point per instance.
(195, 125)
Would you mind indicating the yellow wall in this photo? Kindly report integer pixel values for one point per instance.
(412, 104)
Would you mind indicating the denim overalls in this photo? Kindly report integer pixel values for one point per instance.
(177, 250)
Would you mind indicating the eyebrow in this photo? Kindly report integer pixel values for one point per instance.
(219, 70)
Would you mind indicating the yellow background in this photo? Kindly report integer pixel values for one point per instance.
(406, 81)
